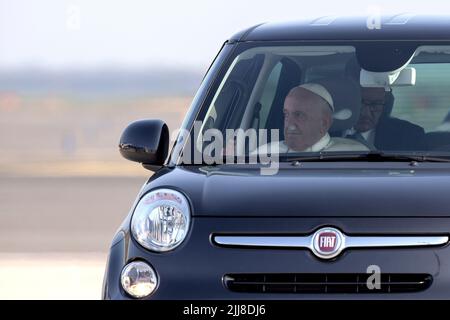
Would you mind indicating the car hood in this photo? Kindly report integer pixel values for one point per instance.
(353, 190)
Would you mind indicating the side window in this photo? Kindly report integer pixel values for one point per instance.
(289, 76)
(427, 103)
(230, 103)
(269, 92)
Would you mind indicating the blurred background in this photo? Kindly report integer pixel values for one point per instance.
(73, 74)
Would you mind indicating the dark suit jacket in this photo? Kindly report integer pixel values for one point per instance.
(399, 135)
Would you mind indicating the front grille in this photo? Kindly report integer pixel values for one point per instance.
(325, 283)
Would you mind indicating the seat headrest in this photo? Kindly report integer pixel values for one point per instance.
(353, 70)
(346, 95)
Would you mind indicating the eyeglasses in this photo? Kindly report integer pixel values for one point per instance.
(373, 105)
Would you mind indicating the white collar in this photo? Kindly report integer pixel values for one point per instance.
(367, 134)
(318, 146)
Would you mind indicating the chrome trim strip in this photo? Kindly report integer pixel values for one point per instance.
(307, 242)
(263, 241)
(397, 241)
(350, 242)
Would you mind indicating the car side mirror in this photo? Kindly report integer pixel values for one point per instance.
(146, 142)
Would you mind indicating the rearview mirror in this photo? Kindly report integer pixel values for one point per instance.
(403, 77)
(146, 142)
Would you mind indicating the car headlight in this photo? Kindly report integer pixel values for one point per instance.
(138, 279)
(161, 220)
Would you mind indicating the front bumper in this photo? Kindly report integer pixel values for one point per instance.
(195, 270)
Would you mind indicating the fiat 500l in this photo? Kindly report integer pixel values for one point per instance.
(314, 163)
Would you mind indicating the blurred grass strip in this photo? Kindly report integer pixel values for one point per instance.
(88, 168)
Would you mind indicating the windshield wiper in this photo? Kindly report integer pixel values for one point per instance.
(371, 156)
(330, 156)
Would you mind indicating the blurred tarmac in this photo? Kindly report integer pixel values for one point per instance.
(64, 276)
(55, 233)
(64, 188)
(63, 214)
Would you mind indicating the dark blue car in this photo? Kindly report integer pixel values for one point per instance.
(313, 164)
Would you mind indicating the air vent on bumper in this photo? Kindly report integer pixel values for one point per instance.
(325, 283)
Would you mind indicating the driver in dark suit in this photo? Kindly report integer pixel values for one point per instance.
(377, 130)
(375, 127)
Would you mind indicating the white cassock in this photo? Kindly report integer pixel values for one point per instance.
(326, 143)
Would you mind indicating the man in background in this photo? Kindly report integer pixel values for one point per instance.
(378, 130)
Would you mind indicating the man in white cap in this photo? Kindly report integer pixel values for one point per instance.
(308, 115)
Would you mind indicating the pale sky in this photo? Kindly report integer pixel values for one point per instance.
(62, 34)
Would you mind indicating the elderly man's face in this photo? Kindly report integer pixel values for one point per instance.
(307, 119)
(372, 105)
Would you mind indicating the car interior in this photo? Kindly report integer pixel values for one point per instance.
(254, 91)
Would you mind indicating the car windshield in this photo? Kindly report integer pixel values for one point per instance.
(315, 100)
